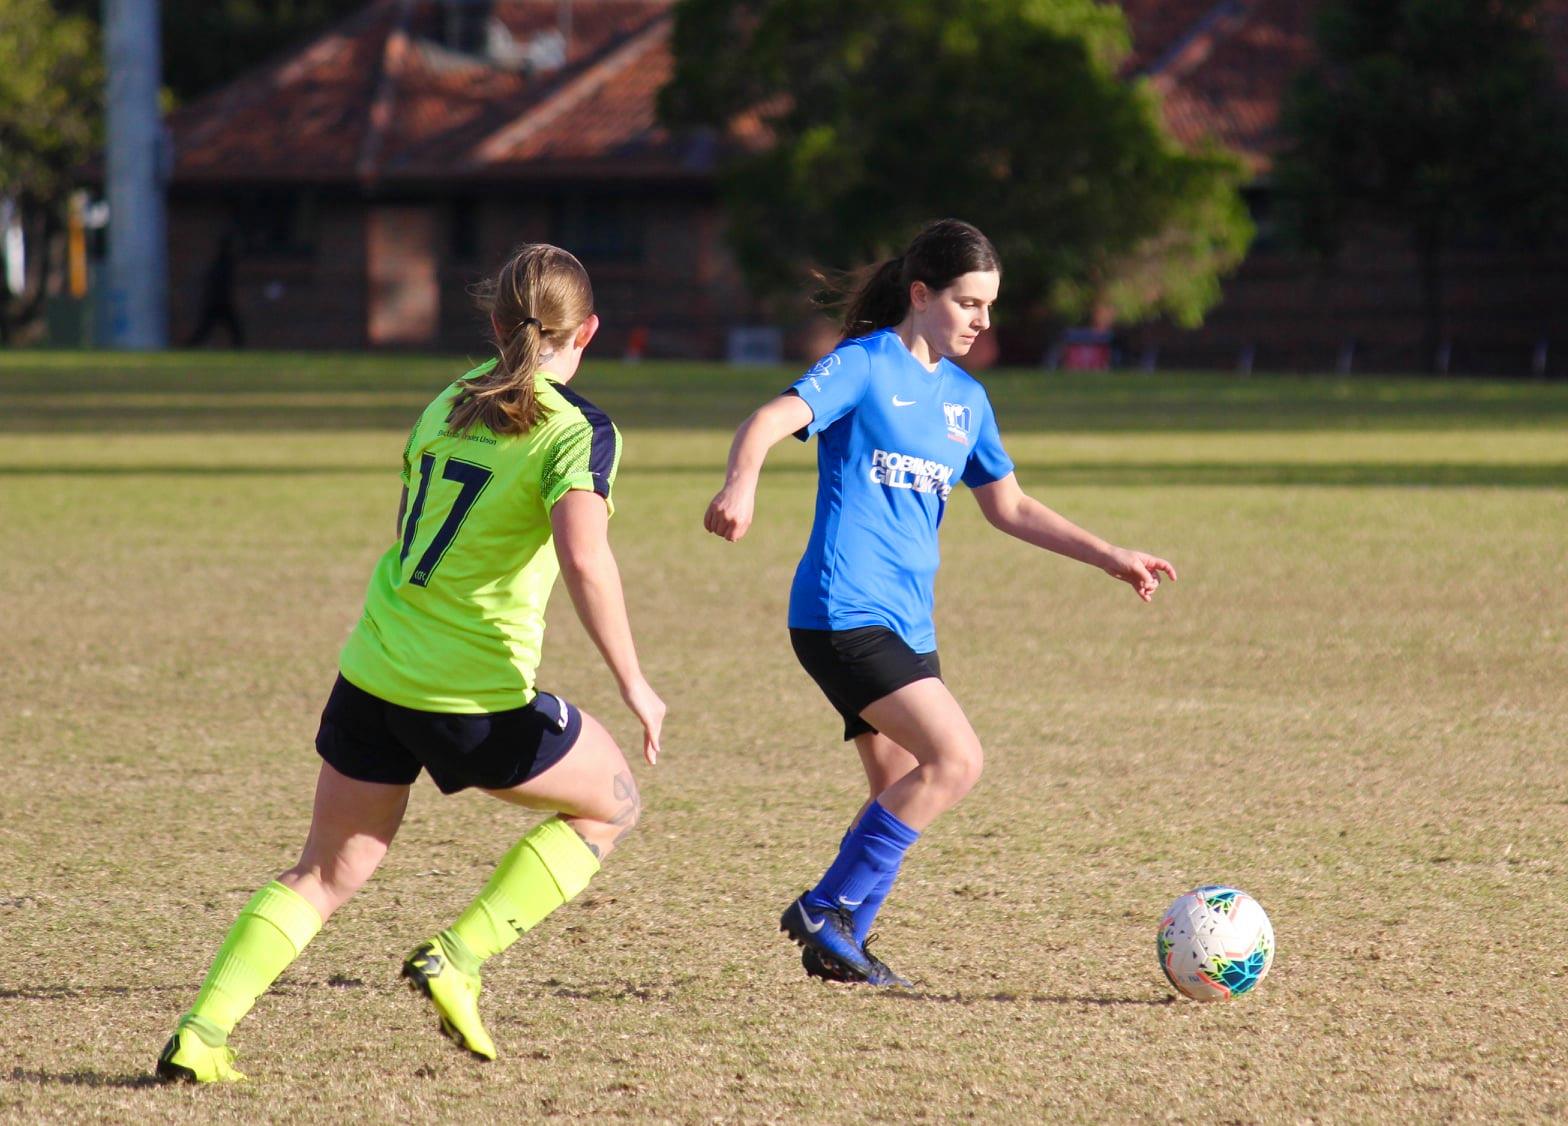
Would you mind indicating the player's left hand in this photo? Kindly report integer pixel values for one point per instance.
(1139, 570)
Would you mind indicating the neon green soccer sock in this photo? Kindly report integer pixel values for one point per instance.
(269, 934)
(545, 869)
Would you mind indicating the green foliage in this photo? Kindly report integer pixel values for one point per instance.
(881, 114)
(208, 42)
(1435, 116)
(51, 84)
(1440, 119)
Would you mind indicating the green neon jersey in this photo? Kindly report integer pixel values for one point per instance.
(454, 617)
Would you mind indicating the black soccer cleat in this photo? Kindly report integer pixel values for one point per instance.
(818, 965)
(831, 932)
(881, 974)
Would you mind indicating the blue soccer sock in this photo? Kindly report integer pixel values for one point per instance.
(866, 913)
(867, 860)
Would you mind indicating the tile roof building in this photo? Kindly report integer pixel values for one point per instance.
(376, 172)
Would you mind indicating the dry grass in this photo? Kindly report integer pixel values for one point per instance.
(1352, 706)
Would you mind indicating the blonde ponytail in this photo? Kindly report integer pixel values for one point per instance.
(536, 302)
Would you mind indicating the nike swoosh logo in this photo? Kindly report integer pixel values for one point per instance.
(813, 927)
(897, 402)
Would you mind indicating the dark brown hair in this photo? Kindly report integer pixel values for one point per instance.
(878, 296)
(539, 298)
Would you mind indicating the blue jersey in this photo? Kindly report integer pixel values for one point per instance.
(893, 440)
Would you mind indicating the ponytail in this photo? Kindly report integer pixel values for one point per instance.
(503, 399)
(536, 303)
(878, 296)
(880, 299)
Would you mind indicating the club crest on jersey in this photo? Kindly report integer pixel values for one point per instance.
(822, 369)
(957, 421)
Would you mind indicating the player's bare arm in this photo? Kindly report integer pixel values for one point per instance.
(730, 513)
(1011, 510)
(579, 522)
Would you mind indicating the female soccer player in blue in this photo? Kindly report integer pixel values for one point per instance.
(507, 478)
(898, 425)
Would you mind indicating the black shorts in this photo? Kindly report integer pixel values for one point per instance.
(856, 667)
(370, 740)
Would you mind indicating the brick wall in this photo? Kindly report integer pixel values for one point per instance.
(308, 296)
(1296, 315)
(681, 287)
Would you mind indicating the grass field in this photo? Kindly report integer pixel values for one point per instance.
(1354, 705)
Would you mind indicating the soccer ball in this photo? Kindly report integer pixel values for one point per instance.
(1215, 942)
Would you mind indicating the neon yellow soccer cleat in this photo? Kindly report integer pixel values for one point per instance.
(454, 994)
(188, 1058)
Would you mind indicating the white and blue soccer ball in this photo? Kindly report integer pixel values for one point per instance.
(1215, 942)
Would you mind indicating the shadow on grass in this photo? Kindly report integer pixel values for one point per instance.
(68, 992)
(190, 392)
(1027, 999)
(725, 414)
(81, 1077)
(194, 470)
(619, 992)
(1542, 475)
(1548, 475)
(74, 992)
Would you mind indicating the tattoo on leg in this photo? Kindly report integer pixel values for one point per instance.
(625, 789)
(598, 853)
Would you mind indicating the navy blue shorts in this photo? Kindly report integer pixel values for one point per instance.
(856, 667)
(370, 740)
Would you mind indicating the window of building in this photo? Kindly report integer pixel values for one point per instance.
(1261, 206)
(599, 228)
(279, 223)
(463, 230)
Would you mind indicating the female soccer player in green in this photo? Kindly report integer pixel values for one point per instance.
(507, 481)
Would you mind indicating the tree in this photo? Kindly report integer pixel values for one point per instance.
(1437, 119)
(51, 92)
(208, 42)
(51, 98)
(876, 115)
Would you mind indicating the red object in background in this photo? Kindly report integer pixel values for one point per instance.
(982, 354)
(636, 343)
(1086, 349)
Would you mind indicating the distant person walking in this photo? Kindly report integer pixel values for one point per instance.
(506, 472)
(217, 296)
(898, 426)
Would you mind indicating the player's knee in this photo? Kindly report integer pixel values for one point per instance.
(960, 769)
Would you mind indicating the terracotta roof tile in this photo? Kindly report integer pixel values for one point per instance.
(379, 99)
(602, 112)
(1157, 25)
(301, 117)
(1224, 79)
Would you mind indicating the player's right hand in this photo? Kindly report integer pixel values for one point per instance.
(1139, 570)
(649, 710)
(729, 514)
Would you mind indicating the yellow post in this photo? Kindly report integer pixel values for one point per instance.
(76, 245)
